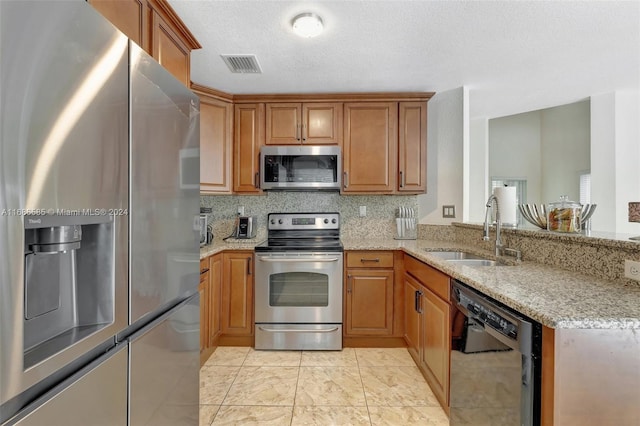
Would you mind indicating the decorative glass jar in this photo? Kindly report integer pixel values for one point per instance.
(564, 215)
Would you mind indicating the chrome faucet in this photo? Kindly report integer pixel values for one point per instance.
(492, 199)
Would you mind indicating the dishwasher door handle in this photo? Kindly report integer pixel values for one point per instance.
(298, 259)
(297, 330)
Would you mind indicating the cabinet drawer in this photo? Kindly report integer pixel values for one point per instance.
(369, 259)
(431, 278)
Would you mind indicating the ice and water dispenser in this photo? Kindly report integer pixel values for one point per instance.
(68, 281)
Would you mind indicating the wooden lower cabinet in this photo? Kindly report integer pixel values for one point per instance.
(237, 297)
(435, 348)
(369, 302)
(412, 315)
(204, 288)
(373, 311)
(215, 296)
(428, 324)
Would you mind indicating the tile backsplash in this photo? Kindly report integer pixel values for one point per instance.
(379, 221)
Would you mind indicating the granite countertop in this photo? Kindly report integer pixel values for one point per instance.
(219, 245)
(555, 297)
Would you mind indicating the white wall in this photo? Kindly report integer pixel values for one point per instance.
(478, 174)
(445, 137)
(615, 160)
(565, 140)
(515, 151)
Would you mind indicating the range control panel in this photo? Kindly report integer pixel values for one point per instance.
(303, 221)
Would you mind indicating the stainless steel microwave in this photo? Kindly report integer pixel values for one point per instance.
(300, 168)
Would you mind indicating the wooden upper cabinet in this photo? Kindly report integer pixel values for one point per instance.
(283, 124)
(129, 16)
(248, 138)
(370, 147)
(303, 123)
(154, 26)
(412, 147)
(168, 49)
(216, 145)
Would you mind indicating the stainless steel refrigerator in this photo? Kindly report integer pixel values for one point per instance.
(99, 201)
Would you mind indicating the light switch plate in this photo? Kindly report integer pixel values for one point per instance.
(449, 211)
(363, 211)
(632, 270)
(241, 210)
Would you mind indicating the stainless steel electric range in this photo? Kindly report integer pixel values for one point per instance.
(298, 283)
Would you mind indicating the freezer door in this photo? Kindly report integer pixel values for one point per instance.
(95, 395)
(164, 368)
(165, 188)
(63, 152)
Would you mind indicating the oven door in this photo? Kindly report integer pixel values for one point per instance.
(298, 287)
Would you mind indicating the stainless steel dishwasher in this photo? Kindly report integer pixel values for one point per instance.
(495, 362)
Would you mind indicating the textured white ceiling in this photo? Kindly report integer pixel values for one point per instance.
(514, 56)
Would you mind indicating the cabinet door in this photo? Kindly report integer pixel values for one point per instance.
(168, 49)
(203, 289)
(129, 16)
(283, 124)
(369, 308)
(370, 147)
(436, 343)
(248, 138)
(412, 147)
(412, 316)
(237, 294)
(215, 272)
(322, 123)
(216, 133)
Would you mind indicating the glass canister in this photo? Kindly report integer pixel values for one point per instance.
(564, 215)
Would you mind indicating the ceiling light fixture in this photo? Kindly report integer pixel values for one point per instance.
(307, 25)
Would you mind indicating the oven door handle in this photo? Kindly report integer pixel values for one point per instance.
(298, 259)
(296, 330)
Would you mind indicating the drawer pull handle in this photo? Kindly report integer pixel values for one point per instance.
(376, 260)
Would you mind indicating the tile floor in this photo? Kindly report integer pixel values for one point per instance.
(241, 386)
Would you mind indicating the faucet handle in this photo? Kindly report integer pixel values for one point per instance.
(513, 252)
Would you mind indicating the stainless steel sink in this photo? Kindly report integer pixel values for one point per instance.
(464, 258)
(455, 255)
(475, 262)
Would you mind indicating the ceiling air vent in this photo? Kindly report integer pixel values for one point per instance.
(242, 63)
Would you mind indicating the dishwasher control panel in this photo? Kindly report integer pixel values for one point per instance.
(484, 313)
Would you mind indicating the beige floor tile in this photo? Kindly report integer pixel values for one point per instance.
(228, 355)
(329, 386)
(273, 358)
(330, 415)
(343, 358)
(263, 386)
(396, 386)
(488, 416)
(207, 413)
(250, 415)
(215, 382)
(423, 416)
(384, 357)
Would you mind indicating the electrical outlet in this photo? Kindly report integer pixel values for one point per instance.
(363, 211)
(241, 210)
(632, 270)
